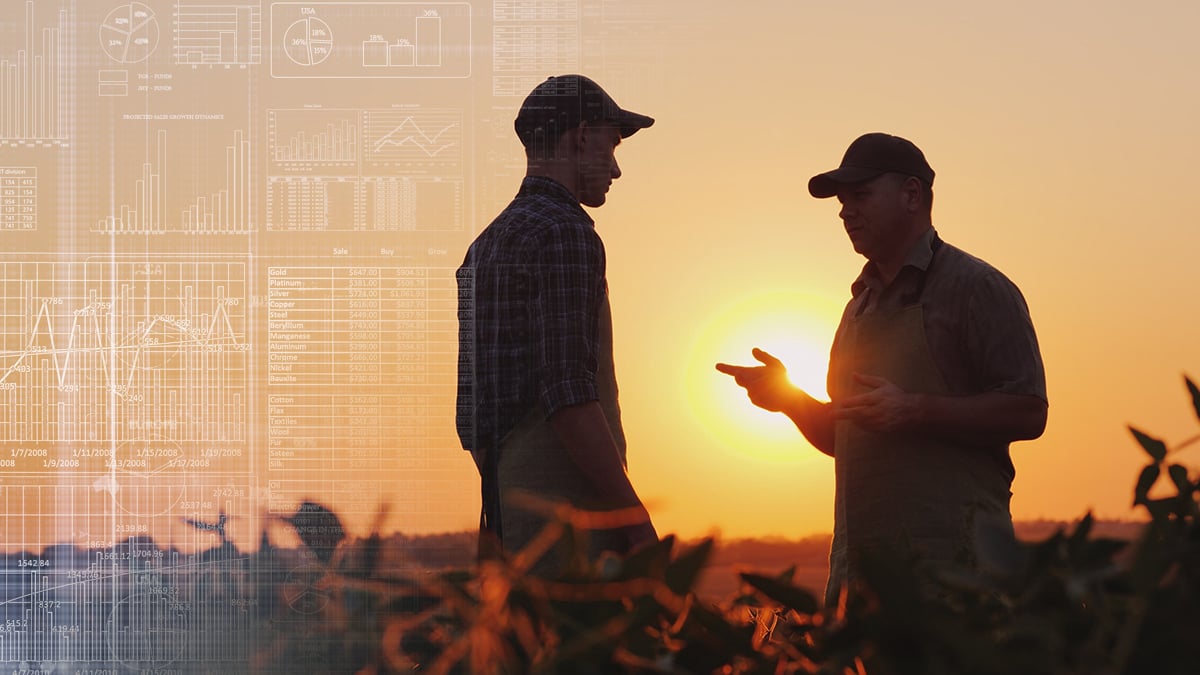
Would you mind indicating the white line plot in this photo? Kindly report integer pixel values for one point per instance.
(218, 34)
(417, 137)
(122, 353)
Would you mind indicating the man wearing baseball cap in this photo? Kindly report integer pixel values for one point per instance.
(537, 395)
(934, 371)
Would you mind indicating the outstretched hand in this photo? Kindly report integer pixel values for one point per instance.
(766, 385)
(883, 407)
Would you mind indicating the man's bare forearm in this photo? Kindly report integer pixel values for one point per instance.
(813, 418)
(981, 419)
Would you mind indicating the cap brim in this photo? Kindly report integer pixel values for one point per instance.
(630, 122)
(827, 184)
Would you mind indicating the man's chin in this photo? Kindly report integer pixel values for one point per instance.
(594, 201)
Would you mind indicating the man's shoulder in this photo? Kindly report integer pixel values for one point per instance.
(962, 266)
(965, 280)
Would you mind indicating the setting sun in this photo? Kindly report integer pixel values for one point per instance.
(794, 327)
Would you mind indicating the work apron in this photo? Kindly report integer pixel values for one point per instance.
(533, 460)
(898, 491)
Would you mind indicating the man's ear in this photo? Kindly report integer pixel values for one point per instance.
(913, 194)
(586, 132)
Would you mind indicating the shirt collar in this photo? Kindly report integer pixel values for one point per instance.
(919, 257)
(548, 187)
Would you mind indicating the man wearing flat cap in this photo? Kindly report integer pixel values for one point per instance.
(934, 371)
(537, 394)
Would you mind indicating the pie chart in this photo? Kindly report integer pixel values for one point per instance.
(308, 41)
(129, 33)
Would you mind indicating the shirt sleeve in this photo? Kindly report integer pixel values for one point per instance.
(571, 268)
(1001, 343)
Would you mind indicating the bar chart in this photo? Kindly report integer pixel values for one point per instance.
(215, 34)
(33, 82)
(228, 210)
(371, 39)
(300, 138)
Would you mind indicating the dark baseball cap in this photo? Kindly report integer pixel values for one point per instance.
(560, 103)
(869, 156)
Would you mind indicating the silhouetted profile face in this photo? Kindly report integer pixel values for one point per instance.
(876, 214)
(597, 162)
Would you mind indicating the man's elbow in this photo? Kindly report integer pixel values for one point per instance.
(1031, 418)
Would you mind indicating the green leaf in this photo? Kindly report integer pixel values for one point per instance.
(1195, 392)
(1144, 483)
(1179, 476)
(1154, 447)
(785, 594)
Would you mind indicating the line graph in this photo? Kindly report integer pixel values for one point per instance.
(105, 351)
(353, 169)
(414, 136)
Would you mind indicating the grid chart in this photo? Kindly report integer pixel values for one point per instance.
(395, 170)
(218, 34)
(531, 38)
(33, 79)
(355, 358)
(139, 355)
(18, 198)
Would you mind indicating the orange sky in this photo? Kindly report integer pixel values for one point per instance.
(1062, 135)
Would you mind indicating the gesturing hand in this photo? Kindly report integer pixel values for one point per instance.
(766, 385)
(883, 407)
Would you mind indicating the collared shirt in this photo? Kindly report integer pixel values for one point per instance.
(976, 320)
(529, 296)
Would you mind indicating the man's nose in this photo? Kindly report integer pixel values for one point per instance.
(616, 170)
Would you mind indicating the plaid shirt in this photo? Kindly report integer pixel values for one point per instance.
(529, 294)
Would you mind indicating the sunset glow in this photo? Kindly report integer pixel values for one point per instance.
(236, 215)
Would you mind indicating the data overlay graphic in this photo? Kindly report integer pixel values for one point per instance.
(355, 355)
(228, 210)
(218, 34)
(398, 169)
(130, 33)
(229, 313)
(18, 198)
(34, 74)
(124, 357)
(371, 39)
